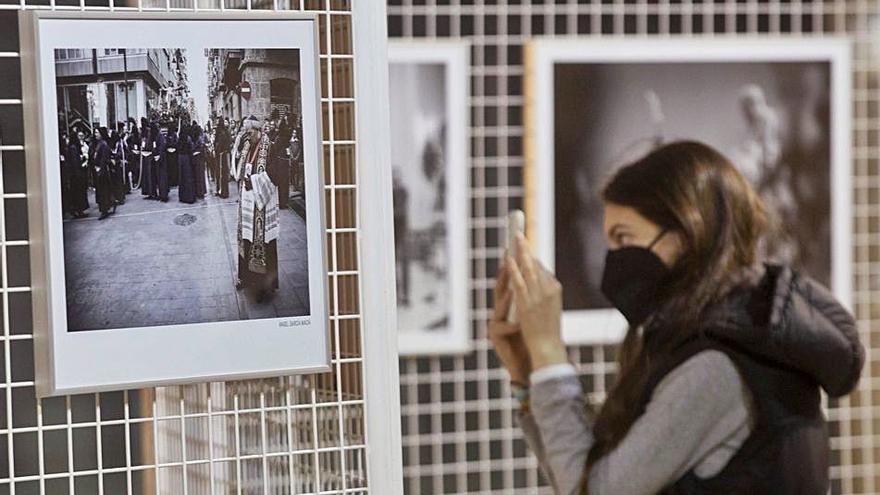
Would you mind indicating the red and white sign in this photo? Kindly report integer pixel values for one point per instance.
(245, 88)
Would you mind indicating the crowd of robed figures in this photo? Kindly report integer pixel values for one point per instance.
(263, 158)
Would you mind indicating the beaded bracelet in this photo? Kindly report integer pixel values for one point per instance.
(521, 394)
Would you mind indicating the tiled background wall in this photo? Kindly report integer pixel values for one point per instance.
(459, 435)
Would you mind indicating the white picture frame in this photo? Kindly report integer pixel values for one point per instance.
(450, 60)
(543, 55)
(134, 357)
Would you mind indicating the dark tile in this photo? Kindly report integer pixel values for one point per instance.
(14, 172)
(18, 269)
(11, 124)
(9, 28)
(16, 219)
(20, 316)
(10, 77)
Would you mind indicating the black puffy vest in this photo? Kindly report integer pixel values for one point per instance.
(788, 336)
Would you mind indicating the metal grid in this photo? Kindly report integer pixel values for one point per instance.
(458, 432)
(300, 434)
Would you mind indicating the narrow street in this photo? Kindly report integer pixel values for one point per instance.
(154, 263)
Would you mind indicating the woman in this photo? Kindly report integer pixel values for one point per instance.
(103, 173)
(719, 373)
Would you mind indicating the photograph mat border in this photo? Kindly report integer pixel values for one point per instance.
(454, 55)
(66, 352)
(604, 326)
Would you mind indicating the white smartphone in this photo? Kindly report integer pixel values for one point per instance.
(516, 223)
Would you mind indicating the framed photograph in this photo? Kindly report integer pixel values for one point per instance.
(429, 94)
(176, 183)
(779, 109)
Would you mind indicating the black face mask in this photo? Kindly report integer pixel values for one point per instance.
(631, 280)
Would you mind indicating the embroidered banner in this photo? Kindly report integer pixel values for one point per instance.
(247, 214)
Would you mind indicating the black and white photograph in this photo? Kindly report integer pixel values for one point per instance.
(181, 185)
(772, 118)
(429, 195)
(183, 200)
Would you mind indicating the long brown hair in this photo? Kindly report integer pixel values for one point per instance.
(692, 189)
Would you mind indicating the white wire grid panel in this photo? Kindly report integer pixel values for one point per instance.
(458, 432)
(286, 435)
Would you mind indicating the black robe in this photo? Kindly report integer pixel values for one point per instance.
(172, 151)
(74, 179)
(211, 166)
(160, 167)
(222, 145)
(103, 175)
(223, 167)
(198, 161)
(148, 186)
(280, 165)
(133, 159)
(65, 177)
(186, 193)
(118, 171)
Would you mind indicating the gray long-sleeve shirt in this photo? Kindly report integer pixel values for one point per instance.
(698, 416)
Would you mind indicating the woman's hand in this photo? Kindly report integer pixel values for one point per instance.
(538, 298)
(506, 337)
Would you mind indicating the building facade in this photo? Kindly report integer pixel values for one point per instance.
(244, 82)
(105, 86)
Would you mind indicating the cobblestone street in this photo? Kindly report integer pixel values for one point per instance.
(154, 263)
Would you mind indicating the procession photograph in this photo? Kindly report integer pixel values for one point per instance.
(182, 184)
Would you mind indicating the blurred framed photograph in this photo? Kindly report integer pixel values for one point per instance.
(779, 109)
(176, 182)
(429, 94)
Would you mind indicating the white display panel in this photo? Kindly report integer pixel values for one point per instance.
(268, 341)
